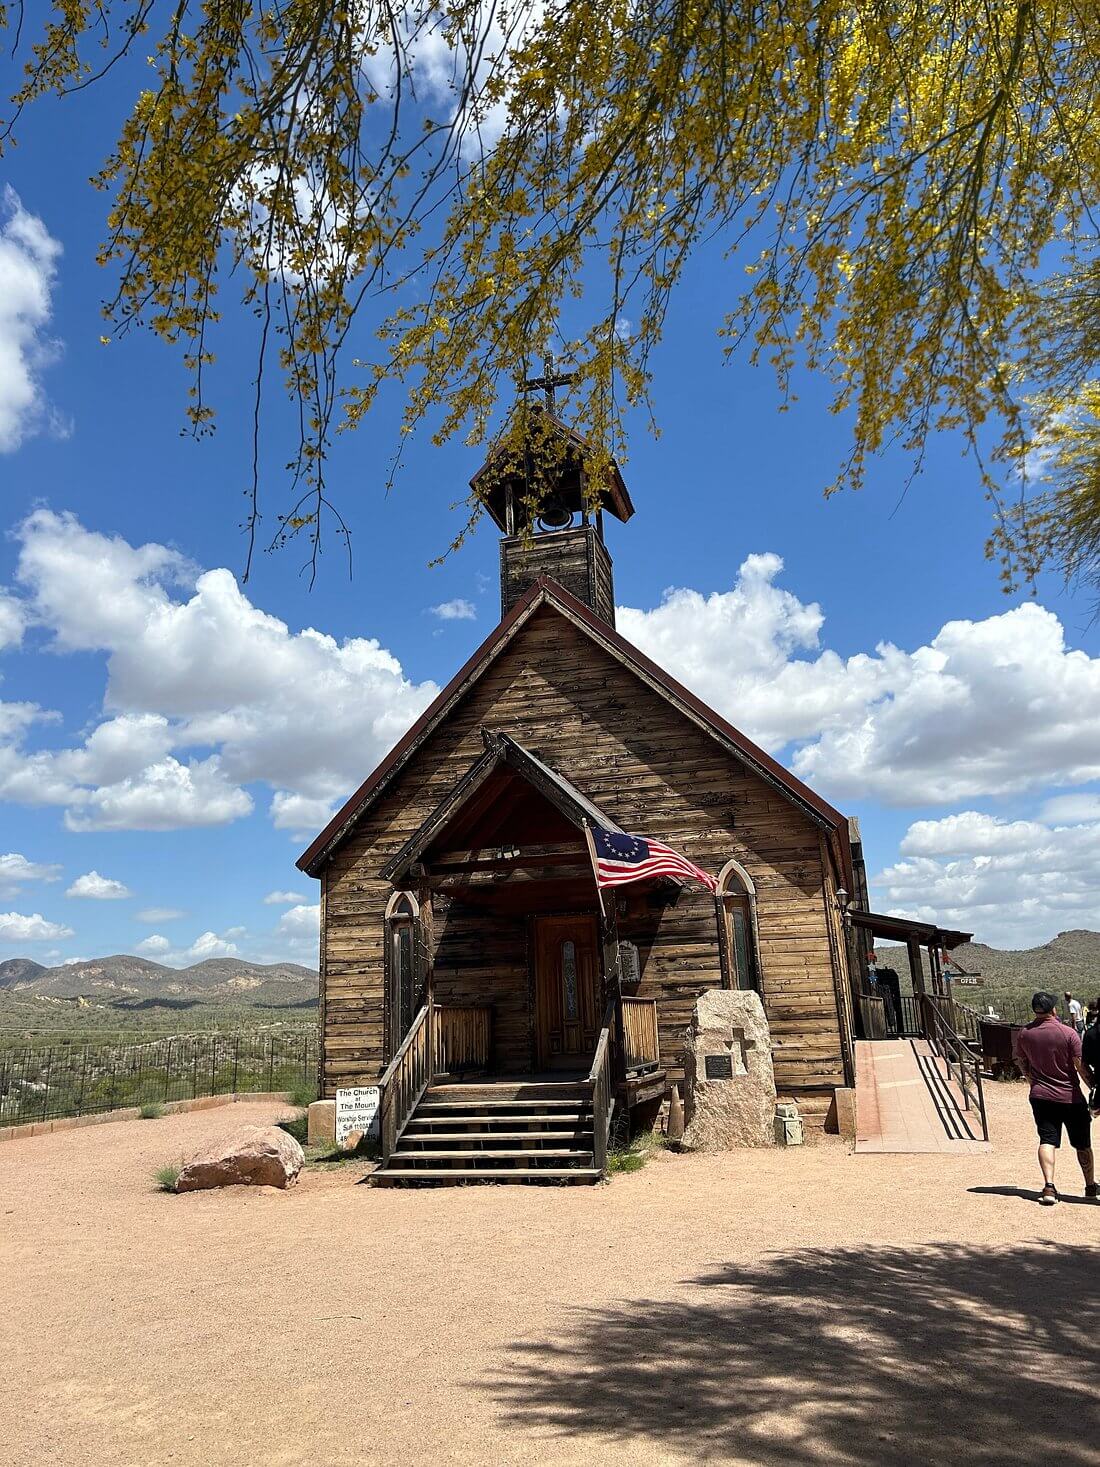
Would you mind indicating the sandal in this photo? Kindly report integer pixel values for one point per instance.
(1049, 1195)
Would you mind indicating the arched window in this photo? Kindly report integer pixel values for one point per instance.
(402, 966)
(736, 900)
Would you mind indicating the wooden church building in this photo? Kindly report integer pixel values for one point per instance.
(469, 962)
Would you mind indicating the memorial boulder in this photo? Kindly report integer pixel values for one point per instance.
(729, 1084)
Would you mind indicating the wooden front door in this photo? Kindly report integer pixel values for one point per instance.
(567, 991)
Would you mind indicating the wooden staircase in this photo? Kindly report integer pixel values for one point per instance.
(507, 1131)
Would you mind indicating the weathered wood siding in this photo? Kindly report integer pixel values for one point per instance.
(653, 771)
(577, 559)
(481, 959)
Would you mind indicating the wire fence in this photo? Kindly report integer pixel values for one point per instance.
(46, 1082)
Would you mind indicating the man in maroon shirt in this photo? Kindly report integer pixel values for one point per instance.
(1049, 1053)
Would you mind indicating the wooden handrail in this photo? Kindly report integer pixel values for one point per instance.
(603, 1096)
(407, 1076)
(643, 1041)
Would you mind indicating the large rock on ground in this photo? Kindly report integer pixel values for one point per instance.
(253, 1156)
(735, 1104)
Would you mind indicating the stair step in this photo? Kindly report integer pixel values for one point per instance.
(455, 1176)
(541, 1093)
(404, 1157)
(413, 1133)
(486, 1103)
(420, 1117)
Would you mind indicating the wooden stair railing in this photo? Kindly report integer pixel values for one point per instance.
(603, 1091)
(643, 1044)
(407, 1076)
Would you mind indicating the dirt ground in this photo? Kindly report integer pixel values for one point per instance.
(796, 1307)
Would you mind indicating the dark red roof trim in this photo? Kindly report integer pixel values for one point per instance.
(548, 591)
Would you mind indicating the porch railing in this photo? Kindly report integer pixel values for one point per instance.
(963, 1065)
(462, 1036)
(643, 1044)
(872, 1012)
(603, 1091)
(964, 1019)
(407, 1076)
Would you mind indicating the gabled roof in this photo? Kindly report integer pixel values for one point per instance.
(548, 593)
(500, 749)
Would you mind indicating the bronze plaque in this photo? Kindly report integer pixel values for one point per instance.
(719, 1066)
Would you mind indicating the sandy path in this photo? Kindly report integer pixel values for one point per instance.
(792, 1307)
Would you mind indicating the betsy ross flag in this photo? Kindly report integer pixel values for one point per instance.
(623, 858)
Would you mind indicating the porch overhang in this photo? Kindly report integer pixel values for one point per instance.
(473, 792)
(905, 929)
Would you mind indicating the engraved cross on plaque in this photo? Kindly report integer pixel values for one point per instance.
(549, 382)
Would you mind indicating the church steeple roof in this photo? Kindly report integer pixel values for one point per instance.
(504, 475)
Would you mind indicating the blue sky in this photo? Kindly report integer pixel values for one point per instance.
(968, 747)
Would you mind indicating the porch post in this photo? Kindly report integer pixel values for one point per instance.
(937, 973)
(613, 987)
(916, 966)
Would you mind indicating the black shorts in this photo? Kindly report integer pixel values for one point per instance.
(1052, 1115)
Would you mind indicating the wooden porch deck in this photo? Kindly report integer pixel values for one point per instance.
(906, 1103)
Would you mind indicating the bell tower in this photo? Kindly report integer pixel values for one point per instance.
(563, 537)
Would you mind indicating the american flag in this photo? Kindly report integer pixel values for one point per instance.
(624, 858)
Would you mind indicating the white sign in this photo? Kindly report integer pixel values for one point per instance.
(357, 1110)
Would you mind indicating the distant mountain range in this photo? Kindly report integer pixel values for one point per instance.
(1069, 962)
(130, 982)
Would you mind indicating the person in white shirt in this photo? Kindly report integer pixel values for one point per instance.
(1076, 1012)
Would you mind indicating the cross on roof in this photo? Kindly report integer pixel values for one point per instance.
(548, 382)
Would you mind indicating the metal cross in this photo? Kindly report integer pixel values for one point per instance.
(548, 382)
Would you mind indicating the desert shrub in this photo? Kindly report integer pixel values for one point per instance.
(167, 1176)
(303, 1093)
(152, 1110)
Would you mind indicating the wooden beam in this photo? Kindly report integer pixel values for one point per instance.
(504, 876)
(491, 856)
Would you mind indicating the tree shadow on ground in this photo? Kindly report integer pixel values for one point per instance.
(939, 1356)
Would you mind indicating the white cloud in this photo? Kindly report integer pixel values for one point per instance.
(299, 814)
(1071, 809)
(15, 928)
(988, 707)
(28, 264)
(154, 943)
(160, 914)
(437, 63)
(456, 610)
(283, 898)
(200, 670)
(16, 869)
(739, 651)
(13, 621)
(165, 796)
(206, 945)
(1011, 882)
(210, 945)
(98, 888)
(303, 921)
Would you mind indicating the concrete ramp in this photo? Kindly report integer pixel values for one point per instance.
(907, 1103)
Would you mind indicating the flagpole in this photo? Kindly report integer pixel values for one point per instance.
(590, 843)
